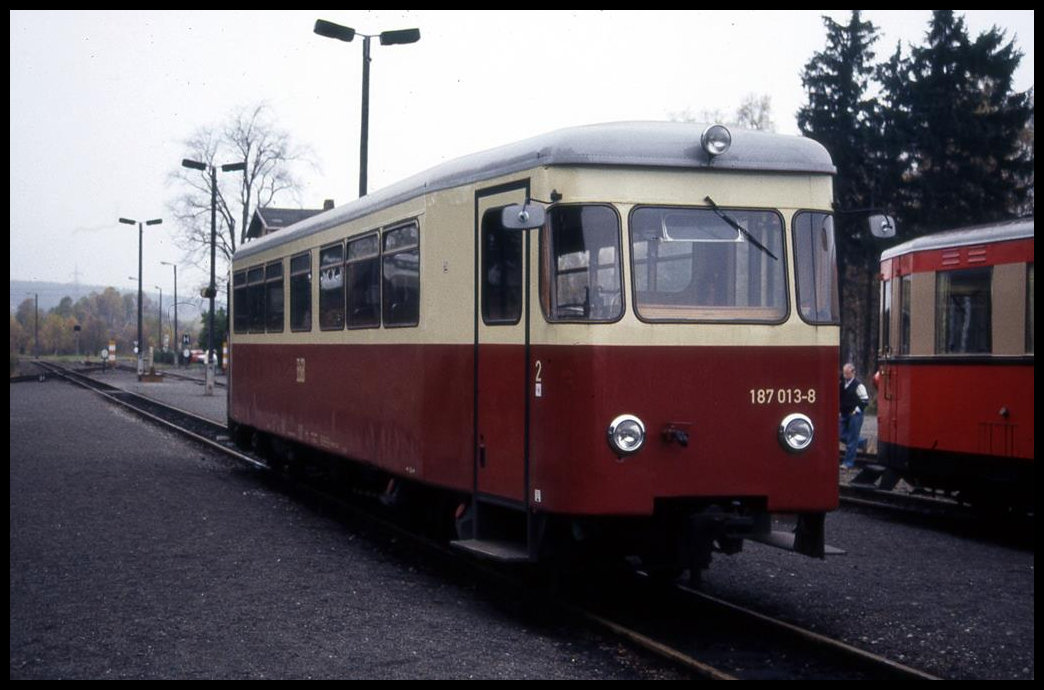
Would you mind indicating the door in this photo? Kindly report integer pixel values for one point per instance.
(501, 347)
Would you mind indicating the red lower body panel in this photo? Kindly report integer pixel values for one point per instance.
(541, 440)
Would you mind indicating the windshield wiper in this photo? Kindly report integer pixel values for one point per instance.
(736, 226)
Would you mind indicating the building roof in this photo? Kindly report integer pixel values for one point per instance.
(267, 220)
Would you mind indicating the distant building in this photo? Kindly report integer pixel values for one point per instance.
(268, 220)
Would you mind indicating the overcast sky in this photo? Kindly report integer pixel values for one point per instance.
(102, 101)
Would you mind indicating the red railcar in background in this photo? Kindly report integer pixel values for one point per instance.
(955, 392)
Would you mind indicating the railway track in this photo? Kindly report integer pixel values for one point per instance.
(700, 635)
(714, 639)
(997, 524)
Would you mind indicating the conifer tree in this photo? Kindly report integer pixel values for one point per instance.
(953, 105)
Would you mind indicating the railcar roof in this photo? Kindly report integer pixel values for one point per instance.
(978, 234)
(635, 144)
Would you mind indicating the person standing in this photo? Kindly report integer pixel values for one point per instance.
(854, 400)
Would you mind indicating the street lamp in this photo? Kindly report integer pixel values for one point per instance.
(212, 290)
(159, 320)
(36, 323)
(129, 221)
(388, 38)
(177, 344)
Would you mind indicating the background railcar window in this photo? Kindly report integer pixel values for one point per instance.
(274, 300)
(582, 275)
(815, 258)
(256, 299)
(364, 282)
(962, 311)
(885, 336)
(1029, 308)
(905, 300)
(401, 276)
(301, 292)
(331, 287)
(241, 316)
(690, 264)
(501, 271)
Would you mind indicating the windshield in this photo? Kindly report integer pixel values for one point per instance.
(708, 264)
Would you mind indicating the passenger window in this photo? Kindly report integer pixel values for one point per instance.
(364, 282)
(241, 314)
(905, 299)
(331, 288)
(301, 292)
(581, 274)
(501, 271)
(274, 297)
(1029, 308)
(400, 299)
(962, 311)
(256, 299)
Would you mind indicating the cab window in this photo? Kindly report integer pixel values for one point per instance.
(581, 278)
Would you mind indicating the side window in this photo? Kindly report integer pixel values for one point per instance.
(1029, 308)
(815, 257)
(256, 299)
(501, 271)
(364, 282)
(331, 287)
(905, 298)
(581, 276)
(301, 292)
(240, 309)
(274, 297)
(885, 336)
(962, 311)
(400, 268)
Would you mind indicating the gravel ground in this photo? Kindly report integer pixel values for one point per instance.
(942, 603)
(136, 555)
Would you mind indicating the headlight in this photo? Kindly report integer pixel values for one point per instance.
(716, 140)
(796, 432)
(626, 434)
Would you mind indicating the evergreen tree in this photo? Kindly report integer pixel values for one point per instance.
(947, 143)
(839, 113)
(952, 104)
(846, 120)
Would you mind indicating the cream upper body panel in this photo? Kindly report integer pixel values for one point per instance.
(444, 207)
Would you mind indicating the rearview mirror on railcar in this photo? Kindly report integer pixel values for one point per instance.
(882, 226)
(522, 216)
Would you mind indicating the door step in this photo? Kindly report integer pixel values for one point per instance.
(500, 551)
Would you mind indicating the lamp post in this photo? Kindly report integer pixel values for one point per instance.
(159, 320)
(388, 38)
(211, 291)
(36, 322)
(129, 221)
(177, 343)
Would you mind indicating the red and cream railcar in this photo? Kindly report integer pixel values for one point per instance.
(956, 362)
(605, 336)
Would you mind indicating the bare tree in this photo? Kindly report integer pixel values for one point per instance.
(248, 135)
(754, 112)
